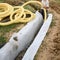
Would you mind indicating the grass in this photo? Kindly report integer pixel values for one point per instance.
(2, 40)
(7, 31)
(53, 23)
(3, 31)
(58, 1)
(1, 1)
(7, 28)
(30, 8)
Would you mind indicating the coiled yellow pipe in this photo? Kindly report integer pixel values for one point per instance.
(32, 2)
(8, 9)
(18, 15)
(39, 4)
(24, 19)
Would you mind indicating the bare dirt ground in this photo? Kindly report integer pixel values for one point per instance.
(50, 48)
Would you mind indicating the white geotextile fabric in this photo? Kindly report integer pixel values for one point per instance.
(24, 37)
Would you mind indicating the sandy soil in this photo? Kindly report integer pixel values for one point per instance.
(50, 48)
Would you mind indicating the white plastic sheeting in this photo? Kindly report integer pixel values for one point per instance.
(32, 50)
(21, 40)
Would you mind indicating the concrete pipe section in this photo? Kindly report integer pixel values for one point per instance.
(21, 40)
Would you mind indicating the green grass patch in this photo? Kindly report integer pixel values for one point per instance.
(7, 28)
(4, 30)
(58, 1)
(1, 1)
(30, 8)
(2, 40)
(53, 23)
(7, 31)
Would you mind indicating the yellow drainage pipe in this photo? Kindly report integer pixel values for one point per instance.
(19, 14)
